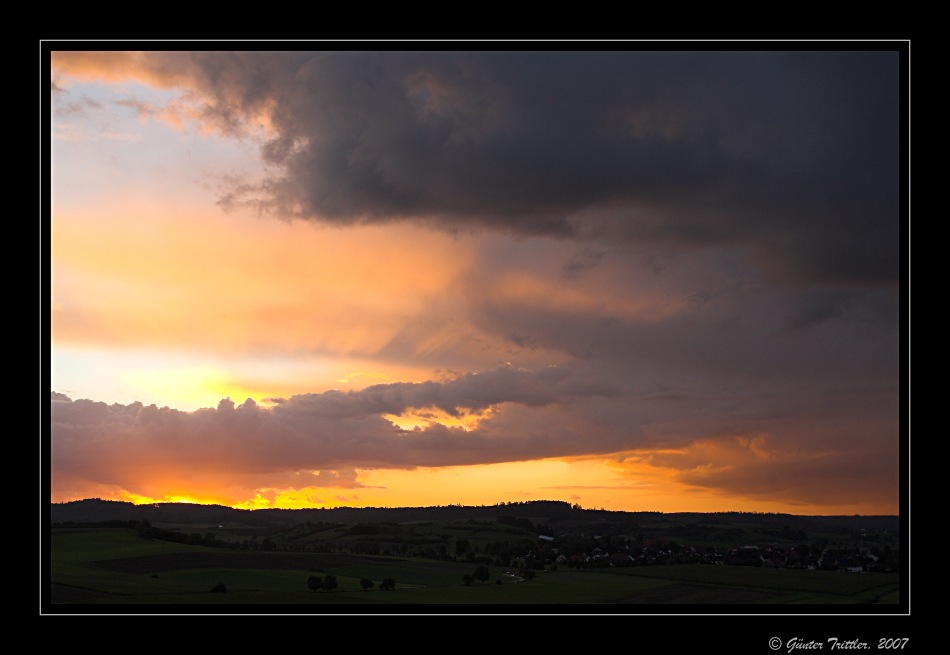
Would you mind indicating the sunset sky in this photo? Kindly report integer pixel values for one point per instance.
(633, 280)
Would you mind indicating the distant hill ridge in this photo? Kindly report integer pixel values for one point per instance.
(95, 510)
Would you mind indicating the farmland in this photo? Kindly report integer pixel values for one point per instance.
(112, 566)
(447, 563)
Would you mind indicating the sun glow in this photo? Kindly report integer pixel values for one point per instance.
(303, 498)
(630, 481)
(420, 419)
(137, 499)
(194, 387)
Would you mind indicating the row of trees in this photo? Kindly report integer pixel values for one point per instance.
(480, 573)
(329, 583)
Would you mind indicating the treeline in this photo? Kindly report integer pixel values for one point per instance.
(554, 512)
(97, 510)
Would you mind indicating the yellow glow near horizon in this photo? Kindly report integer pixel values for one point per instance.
(305, 498)
(136, 499)
(592, 483)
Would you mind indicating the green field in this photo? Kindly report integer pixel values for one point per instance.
(115, 566)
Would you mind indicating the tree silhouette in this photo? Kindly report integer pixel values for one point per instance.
(387, 583)
(329, 582)
(314, 583)
(366, 583)
(481, 573)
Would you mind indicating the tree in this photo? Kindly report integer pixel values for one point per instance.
(468, 579)
(219, 588)
(387, 583)
(462, 546)
(481, 573)
(315, 583)
(366, 583)
(329, 582)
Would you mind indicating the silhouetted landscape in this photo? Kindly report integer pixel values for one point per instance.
(108, 552)
(552, 517)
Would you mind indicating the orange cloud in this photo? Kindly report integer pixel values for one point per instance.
(759, 474)
(200, 282)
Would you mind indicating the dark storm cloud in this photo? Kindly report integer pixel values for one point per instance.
(795, 151)
(816, 339)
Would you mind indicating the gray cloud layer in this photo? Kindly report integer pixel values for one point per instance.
(797, 152)
(321, 430)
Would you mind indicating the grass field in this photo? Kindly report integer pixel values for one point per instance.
(100, 566)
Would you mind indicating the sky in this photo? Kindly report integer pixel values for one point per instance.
(626, 279)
